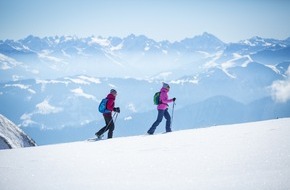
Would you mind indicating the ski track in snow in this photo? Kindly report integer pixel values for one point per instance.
(249, 156)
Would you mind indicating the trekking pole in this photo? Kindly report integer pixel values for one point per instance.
(116, 117)
(172, 114)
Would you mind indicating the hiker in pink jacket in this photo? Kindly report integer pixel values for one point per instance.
(163, 110)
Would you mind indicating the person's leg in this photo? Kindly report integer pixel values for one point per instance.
(101, 131)
(111, 129)
(157, 122)
(108, 119)
(168, 121)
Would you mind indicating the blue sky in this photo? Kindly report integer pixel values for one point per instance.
(173, 20)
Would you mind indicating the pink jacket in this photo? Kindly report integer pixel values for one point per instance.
(164, 99)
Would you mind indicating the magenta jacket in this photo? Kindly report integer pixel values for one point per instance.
(164, 99)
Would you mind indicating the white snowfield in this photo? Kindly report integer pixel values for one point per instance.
(249, 156)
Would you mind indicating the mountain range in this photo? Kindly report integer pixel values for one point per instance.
(132, 56)
(51, 86)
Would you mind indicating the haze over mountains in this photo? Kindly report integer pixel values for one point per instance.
(52, 86)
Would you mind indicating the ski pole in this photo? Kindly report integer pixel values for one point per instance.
(172, 114)
(116, 117)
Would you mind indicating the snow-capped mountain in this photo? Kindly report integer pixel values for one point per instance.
(134, 56)
(53, 85)
(242, 156)
(12, 136)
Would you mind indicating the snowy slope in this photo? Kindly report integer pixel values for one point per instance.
(243, 156)
(11, 136)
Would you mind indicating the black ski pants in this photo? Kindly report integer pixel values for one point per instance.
(109, 126)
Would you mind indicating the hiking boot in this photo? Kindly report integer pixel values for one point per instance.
(99, 136)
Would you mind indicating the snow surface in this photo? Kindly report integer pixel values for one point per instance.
(249, 156)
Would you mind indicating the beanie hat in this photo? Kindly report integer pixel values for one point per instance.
(165, 85)
(113, 91)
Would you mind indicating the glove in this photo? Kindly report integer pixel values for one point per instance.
(174, 99)
(117, 109)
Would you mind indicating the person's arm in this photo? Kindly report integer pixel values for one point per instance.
(110, 104)
(164, 98)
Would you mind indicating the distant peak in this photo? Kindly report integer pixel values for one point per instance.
(256, 38)
(132, 36)
(206, 34)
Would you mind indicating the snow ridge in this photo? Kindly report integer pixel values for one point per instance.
(11, 136)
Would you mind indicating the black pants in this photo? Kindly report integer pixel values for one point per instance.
(109, 126)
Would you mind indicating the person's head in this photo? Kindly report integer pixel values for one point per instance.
(165, 85)
(113, 91)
